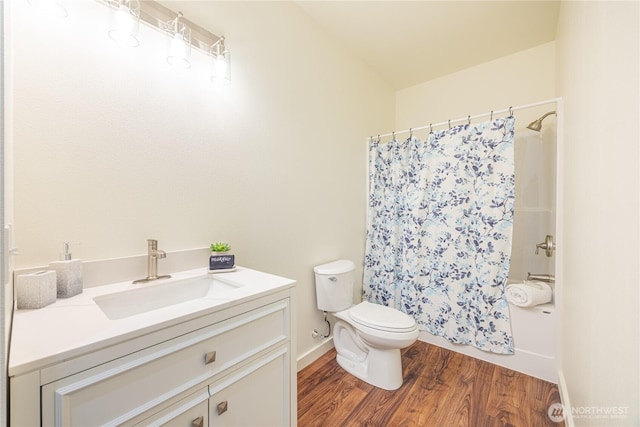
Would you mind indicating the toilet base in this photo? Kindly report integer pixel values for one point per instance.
(381, 368)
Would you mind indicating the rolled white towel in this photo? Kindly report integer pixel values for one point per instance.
(529, 293)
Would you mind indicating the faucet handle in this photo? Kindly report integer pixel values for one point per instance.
(547, 245)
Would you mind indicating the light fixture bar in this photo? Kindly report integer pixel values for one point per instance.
(156, 16)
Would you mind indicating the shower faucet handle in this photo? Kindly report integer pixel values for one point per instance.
(548, 245)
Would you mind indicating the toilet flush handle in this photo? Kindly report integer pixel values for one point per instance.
(333, 278)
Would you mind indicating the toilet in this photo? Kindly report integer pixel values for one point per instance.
(367, 337)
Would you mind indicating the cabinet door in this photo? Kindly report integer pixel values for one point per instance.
(257, 395)
(192, 411)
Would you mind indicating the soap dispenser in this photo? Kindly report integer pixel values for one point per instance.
(68, 274)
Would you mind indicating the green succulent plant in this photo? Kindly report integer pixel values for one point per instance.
(220, 247)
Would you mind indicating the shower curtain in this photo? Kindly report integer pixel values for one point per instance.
(440, 220)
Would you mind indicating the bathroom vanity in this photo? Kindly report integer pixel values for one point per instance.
(126, 354)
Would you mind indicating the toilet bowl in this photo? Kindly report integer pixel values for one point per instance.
(370, 349)
(367, 337)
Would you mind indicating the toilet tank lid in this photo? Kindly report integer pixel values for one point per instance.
(335, 267)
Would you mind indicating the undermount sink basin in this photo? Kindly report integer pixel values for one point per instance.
(153, 296)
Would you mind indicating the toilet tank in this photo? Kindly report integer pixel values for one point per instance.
(334, 285)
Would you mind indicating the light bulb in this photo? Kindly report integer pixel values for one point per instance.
(178, 48)
(124, 21)
(123, 26)
(178, 43)
(220, 66)
(178, 51)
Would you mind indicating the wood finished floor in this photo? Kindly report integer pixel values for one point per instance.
(441, 389)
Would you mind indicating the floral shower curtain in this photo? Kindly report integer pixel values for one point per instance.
(439, 231)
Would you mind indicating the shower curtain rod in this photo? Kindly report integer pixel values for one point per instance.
(468, 118)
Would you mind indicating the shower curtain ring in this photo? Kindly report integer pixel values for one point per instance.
(393, 135)
(510, 111)
(491, 118)
(410, 133)
(430, 127)
(449, 124)
(469, 119)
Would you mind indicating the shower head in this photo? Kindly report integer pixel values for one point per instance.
(537, 124)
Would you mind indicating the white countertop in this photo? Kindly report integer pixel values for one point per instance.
(75, 326)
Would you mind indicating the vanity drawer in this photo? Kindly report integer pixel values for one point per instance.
(120, 390)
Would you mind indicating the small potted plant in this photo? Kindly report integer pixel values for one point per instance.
(220, 258)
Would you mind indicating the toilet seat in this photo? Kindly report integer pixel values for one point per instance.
(382, 318)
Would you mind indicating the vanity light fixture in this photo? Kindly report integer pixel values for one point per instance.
(182, 34)
(179, 42)
(124, 20)
(221, 73)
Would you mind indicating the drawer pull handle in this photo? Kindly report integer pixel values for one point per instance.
(198, 422)
(222, 407)
(210, 357)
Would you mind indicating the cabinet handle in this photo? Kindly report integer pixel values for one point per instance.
(210, 357)
(222, 407)
(198, 422)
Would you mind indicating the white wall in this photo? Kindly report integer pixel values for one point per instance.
(513, 80)
(598, 60)
(113, 147)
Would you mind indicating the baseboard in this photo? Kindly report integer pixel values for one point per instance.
(310, 356)
(564, 399)
(533, 364)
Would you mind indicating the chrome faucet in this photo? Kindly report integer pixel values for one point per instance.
(153, 254)
(549, 278)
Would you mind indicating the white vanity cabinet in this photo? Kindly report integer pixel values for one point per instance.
(229, 367)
